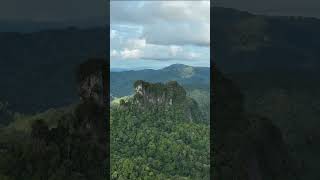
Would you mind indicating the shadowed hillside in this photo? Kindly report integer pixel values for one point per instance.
(274, 61)
(66, 143)
(246, 145)
(36, 69)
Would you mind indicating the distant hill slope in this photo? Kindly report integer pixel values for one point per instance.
(37, 70)
(187, 76)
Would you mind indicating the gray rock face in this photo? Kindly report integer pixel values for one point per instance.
(164, 97)
(161, 94)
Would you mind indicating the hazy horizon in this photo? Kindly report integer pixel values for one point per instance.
(146, 67)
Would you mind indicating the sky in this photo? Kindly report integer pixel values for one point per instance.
(156, 34)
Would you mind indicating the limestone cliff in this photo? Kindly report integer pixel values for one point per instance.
(163, 97)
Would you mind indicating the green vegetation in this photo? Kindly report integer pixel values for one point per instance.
(202, 97)
(157, 142)
(23, 122)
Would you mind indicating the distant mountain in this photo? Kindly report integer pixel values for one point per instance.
(118, 69)
(187, 76)
(128, 69)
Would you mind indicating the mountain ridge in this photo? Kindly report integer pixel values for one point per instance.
(183, 74)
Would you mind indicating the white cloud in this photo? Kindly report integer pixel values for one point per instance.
(154, 52)
(178, 34)
(174, 50)
(192, 55)
(135, 43)
(130, 53)
(114, 53)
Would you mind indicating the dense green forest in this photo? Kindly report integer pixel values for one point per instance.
(51, 146)
(159, 141)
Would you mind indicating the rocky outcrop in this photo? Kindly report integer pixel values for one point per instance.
(92, 80)
(162, 94)
(162, 97)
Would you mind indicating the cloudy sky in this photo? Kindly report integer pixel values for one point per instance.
(155, 34)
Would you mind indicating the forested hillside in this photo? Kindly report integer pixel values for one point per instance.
(158, 133)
